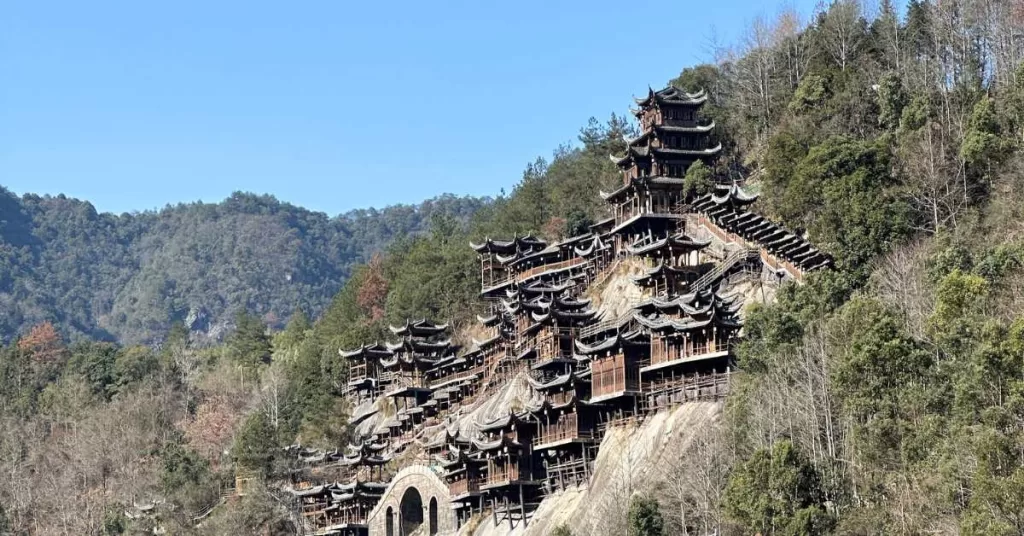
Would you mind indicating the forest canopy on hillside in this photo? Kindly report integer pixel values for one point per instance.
(128, 277)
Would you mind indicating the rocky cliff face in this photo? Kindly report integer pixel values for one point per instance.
(646, 456)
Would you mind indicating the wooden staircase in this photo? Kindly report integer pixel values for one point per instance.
(721, 269)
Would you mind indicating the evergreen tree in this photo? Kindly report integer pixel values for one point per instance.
(645, 517)
(249, 344)
(777, 491)
(255, 447)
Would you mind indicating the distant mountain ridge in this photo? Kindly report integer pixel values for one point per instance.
(129, 277)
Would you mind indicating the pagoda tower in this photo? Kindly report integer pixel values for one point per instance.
(673, 136)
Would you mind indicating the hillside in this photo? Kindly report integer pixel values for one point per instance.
(128, 277)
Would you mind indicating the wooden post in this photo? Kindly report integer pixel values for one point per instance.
(522, 506)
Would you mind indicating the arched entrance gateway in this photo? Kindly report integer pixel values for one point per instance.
(416, 498)
(411, 508)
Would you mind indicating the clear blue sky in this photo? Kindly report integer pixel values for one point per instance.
(330, 105)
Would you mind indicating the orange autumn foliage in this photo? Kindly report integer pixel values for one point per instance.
(373, 292)
(43, 344)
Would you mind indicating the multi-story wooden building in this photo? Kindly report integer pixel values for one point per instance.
(585, 367)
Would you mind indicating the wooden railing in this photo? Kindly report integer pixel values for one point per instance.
(663, 352)
(464, 486)
(357, 372)
(566, 427)
(575, 261)
(401, 380)
(729, 237)
(734, 258)
(502, 473)
(459, 375)
(665, 392)
(617, 323)
(561, 398)
(495, 283)
(348, 517)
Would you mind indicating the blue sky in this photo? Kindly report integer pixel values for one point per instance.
(330, 105)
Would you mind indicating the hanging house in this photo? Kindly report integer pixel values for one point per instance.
(586, 369)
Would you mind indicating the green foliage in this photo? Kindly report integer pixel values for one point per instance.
(182, 468)
(645, 517)
(577, 223)
(960, 299)
(877, 369)
(811, 94)
(915, 114)
(892, 99)
(256, 444)
(128, 277)
(114, 523)
(562, 530)
(186, 477)
(699, 180)
(983, 144)
(96, 363)
(843, 193)
(288, 341)
(249, 344)
(777, 491)
(134, 365)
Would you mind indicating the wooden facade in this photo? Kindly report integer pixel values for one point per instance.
(674, 347)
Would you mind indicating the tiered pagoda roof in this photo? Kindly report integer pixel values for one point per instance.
(517, 245)
(681, 315)
(617, 340)
(659, 247)
(671, 96)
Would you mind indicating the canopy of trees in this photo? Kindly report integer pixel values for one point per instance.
(128, 277)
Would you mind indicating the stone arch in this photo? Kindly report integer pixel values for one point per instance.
(411, 508)
(429, 485)
(432, 517)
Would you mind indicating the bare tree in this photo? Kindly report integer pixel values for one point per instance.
(271, 389)
(754, 74)
(898, 281)
(696, 481)
(186, 364)
(842, 30)
(794, 49)
(935, 177)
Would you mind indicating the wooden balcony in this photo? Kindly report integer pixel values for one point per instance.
(453, 377)
(464, 486)
(355, 516)
(501, 474)
(566, 428)
(558, 399)
(664, 352)
(552, 267)
(612, 376)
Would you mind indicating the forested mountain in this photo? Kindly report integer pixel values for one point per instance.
(128, 277)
